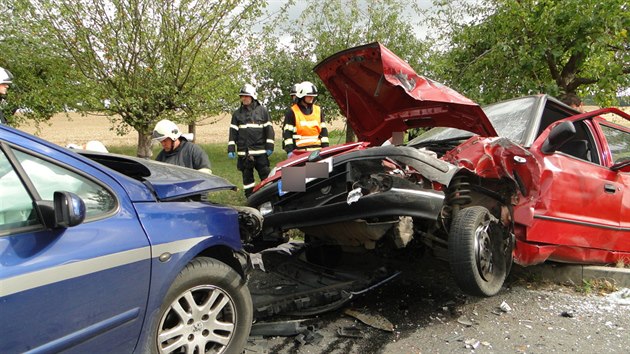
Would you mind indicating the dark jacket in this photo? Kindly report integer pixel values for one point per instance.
(251, 132)
(187, 154)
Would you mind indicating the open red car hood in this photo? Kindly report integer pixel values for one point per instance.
(380, 94)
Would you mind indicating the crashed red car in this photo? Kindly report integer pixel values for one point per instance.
(525, 180)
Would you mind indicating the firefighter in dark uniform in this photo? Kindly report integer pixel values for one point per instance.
(251, 138)
(304, 125)
(6, 79)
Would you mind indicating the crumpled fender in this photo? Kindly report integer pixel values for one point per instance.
(498, 158)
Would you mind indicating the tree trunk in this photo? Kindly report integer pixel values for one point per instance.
(144, 145)
(192, 128)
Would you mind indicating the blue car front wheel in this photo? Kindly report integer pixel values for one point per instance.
(208, 309)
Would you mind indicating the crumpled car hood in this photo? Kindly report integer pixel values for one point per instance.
(167, 181)
(380, 94)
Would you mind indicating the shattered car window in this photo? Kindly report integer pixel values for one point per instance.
(510, 119)
(619, 143)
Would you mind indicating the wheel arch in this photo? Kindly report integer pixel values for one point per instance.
(237, 260)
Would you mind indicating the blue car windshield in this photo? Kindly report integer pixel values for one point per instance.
(509, 118)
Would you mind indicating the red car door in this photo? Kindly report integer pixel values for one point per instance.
(617, 139)
(580, 203)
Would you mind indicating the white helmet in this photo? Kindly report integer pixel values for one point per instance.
(306, 88)
(248, 90)
(166, 129)
(293, 90)
(5, 76)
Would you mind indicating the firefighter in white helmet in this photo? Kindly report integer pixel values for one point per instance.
(177, 150)
(251, 138)
(6, 79)
(304, 127)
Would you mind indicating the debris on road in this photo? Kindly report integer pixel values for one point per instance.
(372, 320)
(505, 307)
(621, 297)
(349, 332)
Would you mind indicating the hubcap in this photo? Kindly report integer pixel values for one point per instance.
(483, 250)
(201, 320)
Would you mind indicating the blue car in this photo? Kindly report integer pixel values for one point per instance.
(113, 254)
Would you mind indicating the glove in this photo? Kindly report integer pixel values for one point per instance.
(289, 154)
(231, 155)
(269, 152)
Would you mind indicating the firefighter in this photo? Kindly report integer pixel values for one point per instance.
(304, 125)
(6, 79)
(251, 138)
(177, 150)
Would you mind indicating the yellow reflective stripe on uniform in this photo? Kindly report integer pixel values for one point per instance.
(297, 137)
(323, 125)
(270, 141)
(288, 141)
(267, 124)
(241, 153)
(325, 139)
(235, 127)
(289, 127)
(251, 185)
(231, 142)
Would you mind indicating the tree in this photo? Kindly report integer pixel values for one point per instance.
(45, 82)
(324, 28)
(506, 48)
(148, 60)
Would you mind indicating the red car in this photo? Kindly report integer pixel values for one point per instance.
(525, 180)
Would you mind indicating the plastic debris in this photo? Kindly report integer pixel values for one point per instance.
(621, 297)
(454, 338)
(505, 307)
(354, 195)
(376, 321)
(472, 343)
(349, 332)
(466, 322)
(309, 337)
(281, 328)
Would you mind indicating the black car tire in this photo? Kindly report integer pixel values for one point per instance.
(478, 255)
(219, 294)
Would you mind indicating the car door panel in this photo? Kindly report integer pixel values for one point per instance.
(580, 201)
(62, 280)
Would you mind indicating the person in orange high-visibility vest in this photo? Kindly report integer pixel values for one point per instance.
(304, 125)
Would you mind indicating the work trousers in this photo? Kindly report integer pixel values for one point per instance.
(247, 164)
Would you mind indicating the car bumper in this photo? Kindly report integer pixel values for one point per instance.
(424, 204)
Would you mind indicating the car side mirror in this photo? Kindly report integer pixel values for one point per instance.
(623, 166)
(65, 210)
(69, 209)
(558, 135)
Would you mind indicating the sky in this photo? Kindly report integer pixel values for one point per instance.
(295, 10)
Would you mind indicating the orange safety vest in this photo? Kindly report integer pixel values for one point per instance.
(307, 127)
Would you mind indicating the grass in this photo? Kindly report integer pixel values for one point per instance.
(221, 166)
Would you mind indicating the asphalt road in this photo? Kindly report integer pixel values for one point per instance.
(429, 314)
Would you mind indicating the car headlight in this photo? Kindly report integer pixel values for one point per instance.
(265, 208)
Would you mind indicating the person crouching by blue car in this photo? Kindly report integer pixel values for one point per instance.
(251, 138)
(177, 150)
